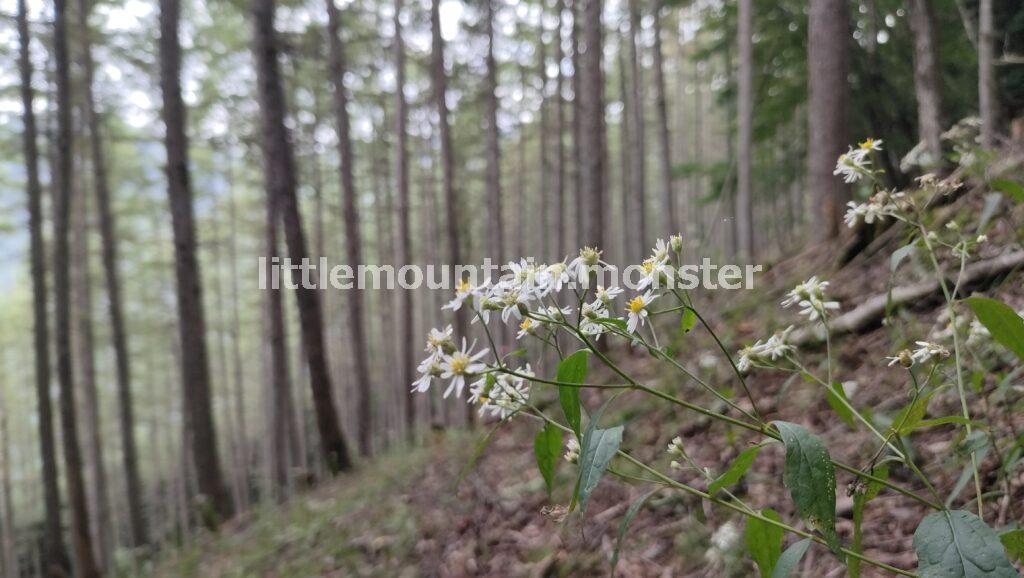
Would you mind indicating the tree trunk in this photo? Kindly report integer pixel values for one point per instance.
(828, 102)
(279, 172)
(638, 195)
(354, 240)
(561, 225)
(591, 111)
(403, 253)
(108, 229)
(85, 563)
(629, 230)
(548, 222)
(8, 553)
(53, 543)
(745, 138)
(668, 201)
(988, 103)
(927, 79)
(280, 384)
(195, 365)
(577, 126)
(85, 353)
(495, 218)
(238, 381)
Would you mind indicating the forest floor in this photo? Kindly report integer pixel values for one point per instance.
(401, 515)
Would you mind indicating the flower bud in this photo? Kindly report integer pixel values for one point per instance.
(676, 243)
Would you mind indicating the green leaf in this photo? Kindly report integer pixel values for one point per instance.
(572, 369)
(957, 544)
(899, 255)
(764, 541)
(736, 470)
(631, 513)
(689, 320)
(909, 418)
(790, 559)
(957, 419)
(974, 441)
(596, 452)
(1001, 321)
(547, 446)
(1013, 542)
(835, 396)
(992, 202)
(1011, 188)
(616, 323)
(811, 479)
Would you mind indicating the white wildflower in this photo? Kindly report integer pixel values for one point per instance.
(928, 351)
(581, 265)
(428, 369)
(459, 365)
(572, 451)
(607, 294)
(637, 311)
(525, 328)
(810, 296)
(777, 346)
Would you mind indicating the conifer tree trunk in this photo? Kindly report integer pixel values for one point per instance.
(592, 126)
(745, 138)
(637, 145)
(108, 228)
(353, 239)
(577, 126)
(85, 562)
(667, 195)
(8, 553)
(988, 102)
(404, 246)
(195, 365)
(52, 541)
(495, 216)
(560, 194)
(828, 131)
(281, 183)
(927, 79)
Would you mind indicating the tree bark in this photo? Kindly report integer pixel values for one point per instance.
(927, 78)
(637, 197)
(988, 102)
(354, 240)
(561, 225)
(745, 138)
(281, 183)
(108, 228)
(827, 123)
(85, 562)
(495, 217)
(592, 127)
(403, 253)
(53, 542)
(195, 365)
(668, 200)
(8, 553)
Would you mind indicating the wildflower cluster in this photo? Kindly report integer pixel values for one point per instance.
(855, 164)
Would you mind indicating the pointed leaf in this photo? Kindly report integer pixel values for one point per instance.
(737, 469)
(811, 479)
(689, 320)
(764, 542)
(1001, 321)
(631, 513)
(790, 559)
(1013, 541)
(957, 544)
(572, 369)
(547, 446)
(835, 397)
(596, 452)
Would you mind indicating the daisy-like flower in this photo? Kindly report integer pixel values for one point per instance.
(512, 299)
(637, 311)
(661, 251)
(428, 369)
(607, 294)
(505, 395)
(459, 365)
(903, 357)
(554, 277)
(440, 341)
(590, 316)
(654, 270)
(810, 296)
(572, 451)
(463, 291)
(555, 313)
(927, 351)
(777, 346)
(525, 273)
(580, 266)
(870, 145)
(525, 328)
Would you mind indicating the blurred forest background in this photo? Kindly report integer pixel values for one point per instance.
(151, 150)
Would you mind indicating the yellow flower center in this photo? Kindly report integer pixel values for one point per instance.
(459, 363)
(637, 305)
(463, 287)
(526, 324)
(648, 265)
(867, 144)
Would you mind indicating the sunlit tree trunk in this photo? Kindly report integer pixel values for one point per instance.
(629, 232)
(195, 365)
(745, 144)
(353, 239)
(667, 210)
(8, 553)
(927, 79)
(238, 380)
(827, 123)
(53, 542)
(281, 183)
(85, 562)
(988, 102)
